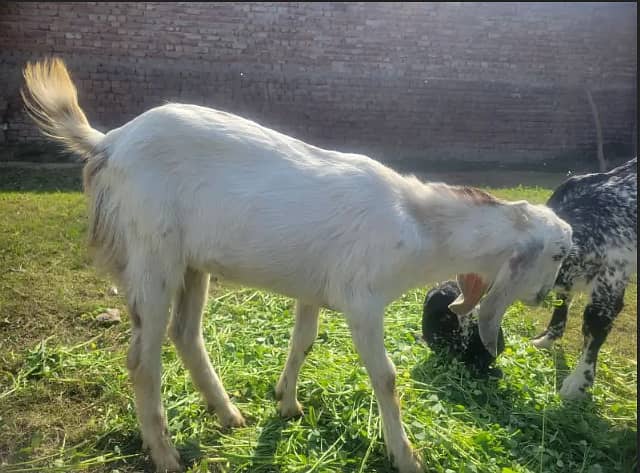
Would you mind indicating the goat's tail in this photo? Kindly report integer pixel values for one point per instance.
(51, 100)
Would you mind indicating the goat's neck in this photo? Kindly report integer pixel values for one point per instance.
(465, 230)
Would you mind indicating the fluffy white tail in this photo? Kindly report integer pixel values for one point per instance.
(51, 100)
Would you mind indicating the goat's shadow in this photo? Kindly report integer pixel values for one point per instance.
(262, 460)
(128, 443)
(560, 362)
(489, 401)
(271, 435)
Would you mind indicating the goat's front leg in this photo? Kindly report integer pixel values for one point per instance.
(557, 324)
(149, 312)
(305, 331)
(368, 336)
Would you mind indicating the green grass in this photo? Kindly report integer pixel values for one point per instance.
(66, 403)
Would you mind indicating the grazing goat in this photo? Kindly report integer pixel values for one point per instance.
(443, 332)
(603, 212)
(183, 191)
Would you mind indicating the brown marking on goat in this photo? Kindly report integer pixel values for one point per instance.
(424, 208)
(475, 195)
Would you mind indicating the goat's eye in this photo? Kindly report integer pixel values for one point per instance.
(557, 257)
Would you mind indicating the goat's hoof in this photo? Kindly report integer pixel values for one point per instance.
(231, 418)
(542, 342)
(574, 387)
(291, 410)
(167, 460)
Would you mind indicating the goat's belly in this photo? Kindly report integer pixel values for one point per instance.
(304, 287)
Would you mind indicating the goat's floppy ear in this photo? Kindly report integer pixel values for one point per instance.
(504, 291)
(472, 288)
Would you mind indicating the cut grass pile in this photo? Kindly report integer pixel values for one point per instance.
(66, 403)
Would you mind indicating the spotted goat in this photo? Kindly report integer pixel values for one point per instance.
(602, 209)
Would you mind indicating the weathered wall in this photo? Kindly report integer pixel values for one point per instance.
(412, 83)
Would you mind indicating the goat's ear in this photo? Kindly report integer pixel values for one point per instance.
(472, 288)
(505, 289)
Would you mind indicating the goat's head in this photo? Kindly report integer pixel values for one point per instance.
(527, 270)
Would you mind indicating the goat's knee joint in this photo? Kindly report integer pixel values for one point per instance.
(387, 382)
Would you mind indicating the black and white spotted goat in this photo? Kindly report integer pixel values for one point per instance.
(602, 209)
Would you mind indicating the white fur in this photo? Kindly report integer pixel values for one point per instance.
(575, 385)
(222, 194)
(184, 191)
(202, 189)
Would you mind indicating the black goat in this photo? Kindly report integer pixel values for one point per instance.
(443, 333)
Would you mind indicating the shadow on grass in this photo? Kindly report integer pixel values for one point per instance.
(262, 460)
(129, 444)
(271, 436)
(125, 443)
(576, 429)
(560, 362)
(276, 432)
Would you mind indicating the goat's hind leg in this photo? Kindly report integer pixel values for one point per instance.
(186, 333)
(148, 299)
(606, 303)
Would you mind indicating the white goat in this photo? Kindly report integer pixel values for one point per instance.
(183, 191)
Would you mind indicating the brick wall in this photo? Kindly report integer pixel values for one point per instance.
(410, 83)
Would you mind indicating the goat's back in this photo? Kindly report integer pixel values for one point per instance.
(255, 206)
(602, 210)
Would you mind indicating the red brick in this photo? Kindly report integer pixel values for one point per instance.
(424, 81)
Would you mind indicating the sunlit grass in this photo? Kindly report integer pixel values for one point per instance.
(66, 403)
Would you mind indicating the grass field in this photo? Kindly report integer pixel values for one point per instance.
(66, 403)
